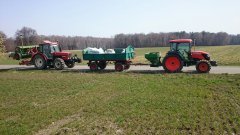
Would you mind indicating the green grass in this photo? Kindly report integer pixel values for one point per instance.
(224, 55)
(127, 103)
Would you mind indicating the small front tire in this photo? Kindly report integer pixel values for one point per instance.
(203, 66)
(58, 64)
(70, 64)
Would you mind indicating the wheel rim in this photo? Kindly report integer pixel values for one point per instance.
(172, 63)
(119, 67)
(39, 62)
(203, 66)
(93, 67)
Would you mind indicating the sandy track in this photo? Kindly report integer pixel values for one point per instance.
(138, 69)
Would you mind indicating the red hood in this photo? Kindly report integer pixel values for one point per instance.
(61, 53)
(198, 52)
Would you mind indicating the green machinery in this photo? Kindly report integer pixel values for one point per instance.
(154, 58)
(23, 52)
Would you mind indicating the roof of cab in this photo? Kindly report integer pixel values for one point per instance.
(49, 43)
(181, 41)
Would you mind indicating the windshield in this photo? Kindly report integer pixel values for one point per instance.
(54, 48)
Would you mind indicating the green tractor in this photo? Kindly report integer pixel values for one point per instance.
(181, 54)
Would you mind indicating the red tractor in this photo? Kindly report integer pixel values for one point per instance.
(180, 55)
(49, 54)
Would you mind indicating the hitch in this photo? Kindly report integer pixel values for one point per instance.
(213, 63)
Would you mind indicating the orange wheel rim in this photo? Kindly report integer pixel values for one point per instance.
(203, 66)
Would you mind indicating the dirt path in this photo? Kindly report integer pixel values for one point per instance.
(58, 124)
(138, 69)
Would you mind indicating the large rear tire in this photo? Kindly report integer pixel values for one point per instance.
(203, 66)
(58, 64)
(39, 62)
(172, 64)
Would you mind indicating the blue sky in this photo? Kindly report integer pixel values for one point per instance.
(105, 18)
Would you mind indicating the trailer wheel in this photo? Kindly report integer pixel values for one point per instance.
(58, 64)
(93, 66)
(203, 66)
(126, 67)
(172, 64)
(40, 62)
(119, 67)
(70, 64)
(102, 64)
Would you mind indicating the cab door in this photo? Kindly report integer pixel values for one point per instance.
(47, 51)
(184, 50)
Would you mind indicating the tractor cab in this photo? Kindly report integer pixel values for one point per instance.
(181, 47)
(52, 50)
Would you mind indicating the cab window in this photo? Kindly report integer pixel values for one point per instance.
(184, 46)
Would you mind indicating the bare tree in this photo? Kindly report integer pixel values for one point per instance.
(27, 36)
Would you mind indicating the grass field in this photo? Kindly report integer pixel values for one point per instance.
(224, 55)
(118, 103)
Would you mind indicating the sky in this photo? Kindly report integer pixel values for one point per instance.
(105, 18)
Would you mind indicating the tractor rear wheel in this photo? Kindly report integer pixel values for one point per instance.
(102, 64)
(119, 67)
(70, 64)
(93, 66)
(40, 62)
(58, 64)
(203, 66)
(172, 64)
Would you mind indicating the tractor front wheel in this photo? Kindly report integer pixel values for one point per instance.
(172, 64)
(40, 62)
(203, 66)
(58, 64)
(70, 64)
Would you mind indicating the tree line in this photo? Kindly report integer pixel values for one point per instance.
(29, 36)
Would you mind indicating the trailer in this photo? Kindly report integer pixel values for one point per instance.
(121, 58)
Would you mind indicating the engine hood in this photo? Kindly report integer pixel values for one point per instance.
(198, 52)
(61, 53)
